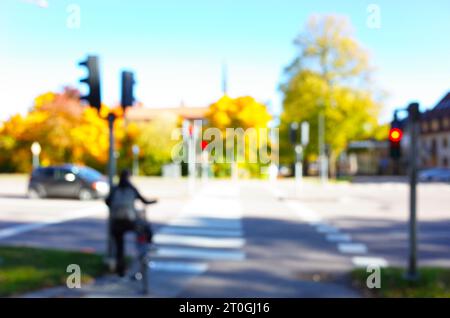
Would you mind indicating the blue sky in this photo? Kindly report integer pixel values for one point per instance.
(177, 47)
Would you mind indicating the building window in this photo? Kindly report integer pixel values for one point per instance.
(435, 125)
(425, 126)
(433, 145)
(445, 142)
(445, 162)
(446, 123)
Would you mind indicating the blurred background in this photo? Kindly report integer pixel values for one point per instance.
(351, 101)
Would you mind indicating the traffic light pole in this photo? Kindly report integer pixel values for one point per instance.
(111, 173)
(414, 127)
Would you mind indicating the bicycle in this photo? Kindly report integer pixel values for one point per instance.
(143, 248)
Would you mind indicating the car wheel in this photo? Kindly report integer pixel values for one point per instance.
(36, 193)
(85, 195)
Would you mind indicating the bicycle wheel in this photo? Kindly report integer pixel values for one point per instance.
(145, 274)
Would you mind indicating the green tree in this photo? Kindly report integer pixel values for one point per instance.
(331, 76)
(156, 143)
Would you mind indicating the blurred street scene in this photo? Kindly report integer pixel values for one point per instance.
(281, 149)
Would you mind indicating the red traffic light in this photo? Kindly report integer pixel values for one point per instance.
(395, 135)
(204, 144)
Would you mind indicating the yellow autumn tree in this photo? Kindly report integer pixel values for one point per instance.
(66, 130)
(244, 113)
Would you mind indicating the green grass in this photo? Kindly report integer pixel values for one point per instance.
(432, 282)
(24, 269)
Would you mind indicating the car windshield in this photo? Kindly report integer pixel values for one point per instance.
(89, 173)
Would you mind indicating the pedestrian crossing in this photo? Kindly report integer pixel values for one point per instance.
(208, 229)
(344, 242)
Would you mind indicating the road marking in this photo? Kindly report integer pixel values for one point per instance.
(305, 213)
(215, 223)
(338, 237)
(360, 261)
(209, 228)
(181, 267)
(352, 248)
(333, 234)
(198, 241)
(200, 231)
(73, 215)
(200, 253)
(325, 228)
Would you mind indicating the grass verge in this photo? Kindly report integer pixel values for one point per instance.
(24, 269)
(432, 282)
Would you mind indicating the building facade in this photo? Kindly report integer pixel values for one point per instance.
(435, 136)
(144, 114)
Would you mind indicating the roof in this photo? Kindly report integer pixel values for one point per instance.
(145, 113)
(441, 110)
(444, 103)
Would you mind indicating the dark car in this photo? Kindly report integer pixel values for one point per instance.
(69, 181)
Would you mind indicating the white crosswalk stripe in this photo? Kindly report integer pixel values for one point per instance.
(208, 229)
(344, 242)
(199, 241)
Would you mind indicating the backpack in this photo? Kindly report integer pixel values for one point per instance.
(122, 204)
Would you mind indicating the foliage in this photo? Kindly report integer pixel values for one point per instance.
(330, 76)
(242, 112)
(155, 142)
(70, 132)
(432, 282)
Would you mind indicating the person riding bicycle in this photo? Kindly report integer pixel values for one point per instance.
(124, 216)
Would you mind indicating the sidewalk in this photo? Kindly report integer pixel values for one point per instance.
(114, 287)
(110, 286)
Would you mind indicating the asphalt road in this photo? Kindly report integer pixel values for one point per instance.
(247, 238)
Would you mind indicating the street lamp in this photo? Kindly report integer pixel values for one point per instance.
(36, 151)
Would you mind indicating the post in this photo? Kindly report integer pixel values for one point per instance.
(111, 158)
(136, 151)
(192, 157)
(298, 163)
(322, 153)
(111, 173)
(35, 150)
(205, 165)
(413, 123)
(298, 167)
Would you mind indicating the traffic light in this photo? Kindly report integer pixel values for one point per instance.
(93, 81)
(395, 137)
(128, 82)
